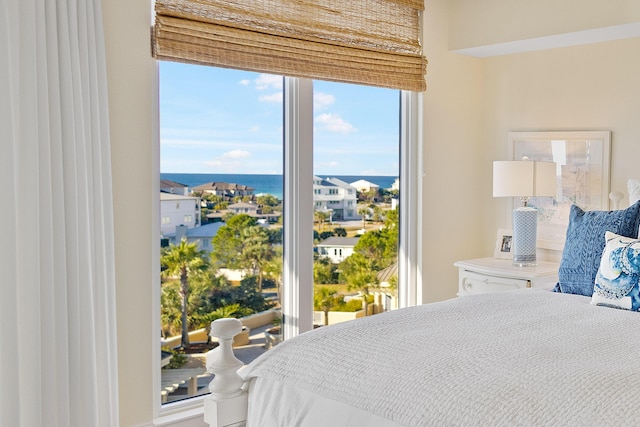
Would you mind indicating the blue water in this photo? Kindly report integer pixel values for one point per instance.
(270, 184)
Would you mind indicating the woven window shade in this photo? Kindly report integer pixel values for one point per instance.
(370, 42)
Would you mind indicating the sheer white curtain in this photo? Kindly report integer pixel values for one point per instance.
(57, 299)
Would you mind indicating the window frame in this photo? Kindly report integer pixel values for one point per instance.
(297, 304)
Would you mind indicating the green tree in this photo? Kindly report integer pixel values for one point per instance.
(228, 241)
(320, 218)
(371, 195)
(199, 302)
(273, 268)
(184, 260)
(227, 311)
(246, 295)
(359, 272)
(170, 313)
(268, 200)
(377, 213)
(373, 245)
(325, 299)
(363, 210)
(323, 271)
(256, 252)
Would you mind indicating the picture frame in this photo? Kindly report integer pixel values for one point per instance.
(504, 244)
(583, 161)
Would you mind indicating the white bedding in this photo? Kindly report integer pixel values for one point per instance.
(526, 357)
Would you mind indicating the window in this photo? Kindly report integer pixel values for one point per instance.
(297, 168)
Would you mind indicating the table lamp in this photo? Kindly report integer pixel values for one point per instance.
(524, 178)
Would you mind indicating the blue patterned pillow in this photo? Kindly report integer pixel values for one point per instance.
(617, 278)
(584, 245)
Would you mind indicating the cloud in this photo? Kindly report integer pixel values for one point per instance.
(268, 81)
(245, 82)
(334, 123)
(228, 161)
(326, 166)
(275, 97)
(236, 154)
(322, 100)
(254, 129)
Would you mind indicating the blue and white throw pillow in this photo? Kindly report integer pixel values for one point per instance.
(619, 273)
(584, 245)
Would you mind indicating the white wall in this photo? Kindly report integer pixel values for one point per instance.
(456, 184)
(479, 23)
(132, 88)
(472, 103)
(590, 87)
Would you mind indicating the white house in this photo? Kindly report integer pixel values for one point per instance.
(173, 187)
(224, 189)
(178, 210)
(337, 248)
(335, 196)
(243, 208)
(363, 185)
(201, 235)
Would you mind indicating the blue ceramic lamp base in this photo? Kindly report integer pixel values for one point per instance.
(525, 227)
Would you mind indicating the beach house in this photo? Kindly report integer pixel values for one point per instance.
(336, 248)
(335, 197)
(178, 210)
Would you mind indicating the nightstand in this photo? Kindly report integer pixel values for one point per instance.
(484, 275)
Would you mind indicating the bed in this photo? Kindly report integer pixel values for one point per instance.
(523, 357)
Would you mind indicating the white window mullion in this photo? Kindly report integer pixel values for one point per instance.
(297, 294)
(410, 233)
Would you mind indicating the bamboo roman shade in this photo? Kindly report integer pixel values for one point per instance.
(370, 42)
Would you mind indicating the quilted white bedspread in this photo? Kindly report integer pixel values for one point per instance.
(525, 357)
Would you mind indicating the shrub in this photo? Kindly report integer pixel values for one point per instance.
(177, 361)
(350, 306)
(340, 231)
(325, 235)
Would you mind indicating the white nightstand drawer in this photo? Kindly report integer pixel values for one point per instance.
(474, 283)
(484, 275)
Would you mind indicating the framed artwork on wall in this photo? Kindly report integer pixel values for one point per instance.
(504, 239)
(582, 176)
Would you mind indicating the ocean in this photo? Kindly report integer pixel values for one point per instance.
(269, 184)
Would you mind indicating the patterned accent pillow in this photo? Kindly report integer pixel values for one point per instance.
(619, 273)
(584, 245)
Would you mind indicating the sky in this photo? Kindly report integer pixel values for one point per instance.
(215, 120)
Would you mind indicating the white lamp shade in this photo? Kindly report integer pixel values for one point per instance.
(524, 178)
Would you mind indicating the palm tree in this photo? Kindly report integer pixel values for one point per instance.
(257, 251)
(363, 209)
(183, 260)
(324, 299)
(227, 311)
(359, 272)
(320, 217)
(274, 268)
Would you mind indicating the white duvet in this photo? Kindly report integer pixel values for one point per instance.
(524, 357)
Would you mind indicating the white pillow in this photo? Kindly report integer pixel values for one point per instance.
(633, 186)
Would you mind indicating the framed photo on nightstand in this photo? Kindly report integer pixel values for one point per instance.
(504, 242)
